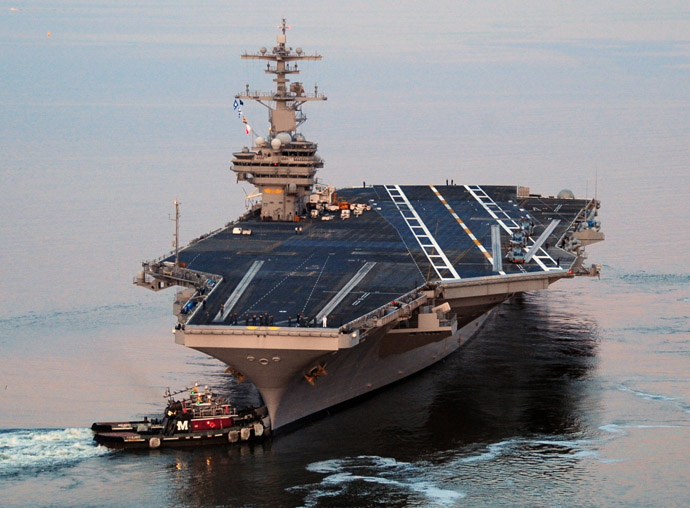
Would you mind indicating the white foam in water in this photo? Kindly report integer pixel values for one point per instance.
(522, 447)
(383, 461)
(427, 480)
(575, 448)
(23, 450)
(612, 428)
(648, 396)
(617, 430)
(336, 465)
(325, 467)
(387, 472)
(657, 397)
(620, 429)
(493, 451)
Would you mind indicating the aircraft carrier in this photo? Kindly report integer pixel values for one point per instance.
(319, 295)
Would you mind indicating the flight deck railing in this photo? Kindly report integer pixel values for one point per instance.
(389, 312)
(183, 276)
(200, 296)
(255, 94)
(171, 254)
(285, 158)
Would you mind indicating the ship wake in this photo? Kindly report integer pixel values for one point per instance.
(37, 450)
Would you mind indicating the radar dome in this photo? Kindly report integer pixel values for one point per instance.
(284, 137)
(275, 143)
(262, 50)
(566, 194)
(260, 141)
(299, 137)
(298, 51)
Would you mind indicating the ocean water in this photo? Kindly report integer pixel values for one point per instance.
(563, 400)
(577, 396)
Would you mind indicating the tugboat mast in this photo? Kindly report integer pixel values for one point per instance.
(177, 233)
(283, 166)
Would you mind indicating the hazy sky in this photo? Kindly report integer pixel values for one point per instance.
(109, 112)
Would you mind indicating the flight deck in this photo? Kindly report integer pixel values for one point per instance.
(298, 273)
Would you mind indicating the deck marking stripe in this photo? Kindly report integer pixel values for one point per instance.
(323, 267)
(485, 200)
(239, 290)
(541, 240)
(345, 290)
(404, 206)
(464, 227)
(293, 272)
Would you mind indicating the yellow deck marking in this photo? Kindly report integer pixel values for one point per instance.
(464, 227)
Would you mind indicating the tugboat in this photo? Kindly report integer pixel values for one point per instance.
(202, 419)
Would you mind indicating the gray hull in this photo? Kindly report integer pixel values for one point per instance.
(282, 375)
(378, 362)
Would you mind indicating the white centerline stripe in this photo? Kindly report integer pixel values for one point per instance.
(345, 290)
(239, 290)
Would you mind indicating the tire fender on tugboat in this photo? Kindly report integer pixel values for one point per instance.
(258, 429)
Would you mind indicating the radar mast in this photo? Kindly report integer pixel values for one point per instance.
(282, 167)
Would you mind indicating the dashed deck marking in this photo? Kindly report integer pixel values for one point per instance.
(464, 227)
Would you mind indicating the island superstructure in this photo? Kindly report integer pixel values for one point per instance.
(318, 296)
(282, 168)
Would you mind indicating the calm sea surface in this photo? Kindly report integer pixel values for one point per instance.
(576, 396)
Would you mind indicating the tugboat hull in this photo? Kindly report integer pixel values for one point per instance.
(186, 423)
(136, 440)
